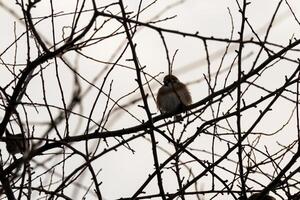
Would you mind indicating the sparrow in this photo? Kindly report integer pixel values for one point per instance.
(256, 195)
(16, 143)
(173, 96)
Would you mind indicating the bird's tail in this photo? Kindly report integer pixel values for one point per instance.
(178, 117)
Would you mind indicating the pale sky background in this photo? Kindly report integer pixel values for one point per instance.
(123, 172)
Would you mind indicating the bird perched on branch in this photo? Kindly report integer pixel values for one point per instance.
(173, 96)
(16, 143)
(256, 195)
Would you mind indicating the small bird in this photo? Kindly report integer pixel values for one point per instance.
(173, 96)
(256, 195)
(16, 143)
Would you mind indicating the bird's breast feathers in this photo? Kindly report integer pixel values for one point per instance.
(170, 98)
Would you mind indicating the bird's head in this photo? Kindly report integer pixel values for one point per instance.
(170, 79)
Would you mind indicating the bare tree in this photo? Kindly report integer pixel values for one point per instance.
(78, 104)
